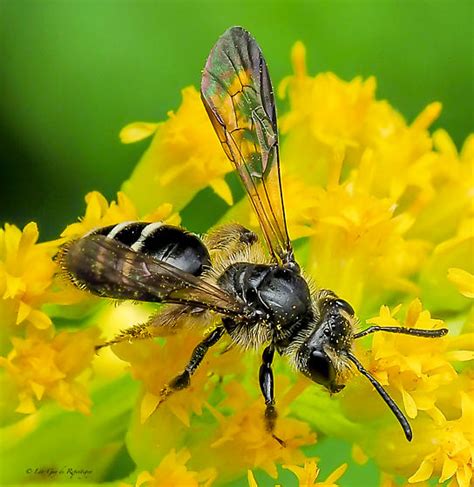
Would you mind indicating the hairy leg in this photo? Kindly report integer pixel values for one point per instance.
(136, 332)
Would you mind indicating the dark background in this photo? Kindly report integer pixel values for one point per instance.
(72, 73)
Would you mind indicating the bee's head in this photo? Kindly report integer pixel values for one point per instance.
(320, 355)
(325, 355)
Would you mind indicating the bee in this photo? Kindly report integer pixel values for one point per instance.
(261, 298)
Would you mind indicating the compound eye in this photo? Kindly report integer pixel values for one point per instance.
(345, 306)
(320, 368)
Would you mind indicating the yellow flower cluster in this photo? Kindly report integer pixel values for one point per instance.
(44, 365)
(172, 471)
(100, 214)
(155, 365)
(420, 374)
(384, 211)
(183, 158)
(26, 273)
(382, 194)
(41, 364)
(244, 431)
(175, 420)
(307, 475)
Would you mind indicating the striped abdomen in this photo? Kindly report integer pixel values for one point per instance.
(110, 271)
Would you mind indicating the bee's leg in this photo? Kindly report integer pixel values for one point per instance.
(164, 323)
(136, 332)
(183, 380)
(266, 386)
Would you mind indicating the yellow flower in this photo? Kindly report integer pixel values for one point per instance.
(455, 252)
(172, 472)
(308, 474)
(329, 116)
(453, 455)
(387, 480)
(99, 213)
(26, 273)
(358, 247)
(156, 365)
(419, 374)
(414, 367)
(313, 102)
(184, 157)
(46, 366)
(448, 202)
(244, 431)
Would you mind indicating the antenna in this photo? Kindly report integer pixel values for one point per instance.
(385, 396)
(403, 330)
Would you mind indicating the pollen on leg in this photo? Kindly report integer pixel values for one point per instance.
(136, 332)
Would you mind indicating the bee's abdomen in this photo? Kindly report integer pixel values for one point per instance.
(166, 243)
(108, 261)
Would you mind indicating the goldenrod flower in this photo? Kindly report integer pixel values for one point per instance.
(357, 234)
(416, 368)
(99, 213)
(453, 455)
(308, 474)
(26, 273)
(183, 158)
(44, 366)
(313, 102)
(244, 431)
(172, 472)
(155, 365)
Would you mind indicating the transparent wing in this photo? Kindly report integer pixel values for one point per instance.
(238, 96)
(109, 268)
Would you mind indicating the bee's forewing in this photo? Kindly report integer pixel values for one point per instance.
(238, 96)
(109, 268)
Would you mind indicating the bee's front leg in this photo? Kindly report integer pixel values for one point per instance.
(266, 386)
(183, 380)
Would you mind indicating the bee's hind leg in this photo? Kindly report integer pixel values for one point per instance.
(266, 386)
(183, 380)
(164, 323)
(136, 332)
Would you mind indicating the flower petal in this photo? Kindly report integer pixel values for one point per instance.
(463, 280)
(148, 405)
(449, 469)
(409, 404)
(423, 473)
(339, 472)
(251, 479)
(136, 131)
